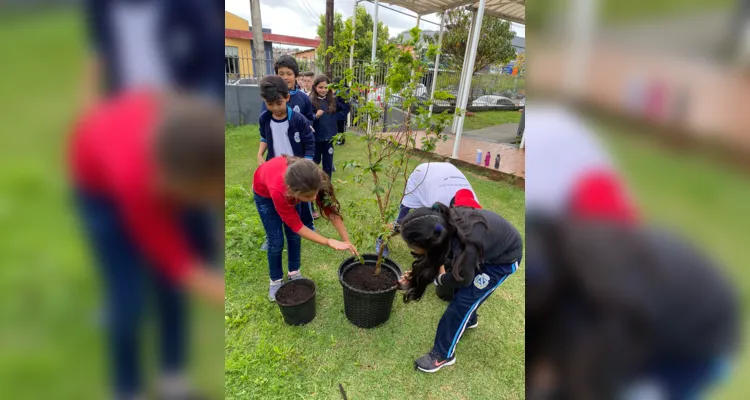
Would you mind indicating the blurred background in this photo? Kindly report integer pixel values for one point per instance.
(664, 87)
(52, 343)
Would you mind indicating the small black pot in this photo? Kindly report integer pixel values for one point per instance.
(304, 311)
(368, 309)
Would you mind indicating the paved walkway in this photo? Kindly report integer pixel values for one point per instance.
(512, 159)
(504, 133)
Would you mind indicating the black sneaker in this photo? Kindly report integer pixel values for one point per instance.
(473, 323)
(432, 362)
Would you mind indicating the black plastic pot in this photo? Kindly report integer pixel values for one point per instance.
(302, 312)
(368, 309)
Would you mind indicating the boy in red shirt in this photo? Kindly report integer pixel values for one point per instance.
(141, 164)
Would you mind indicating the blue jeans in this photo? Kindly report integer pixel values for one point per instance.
(324, 154)
(462, 310)
(129, 280)
(275, 231)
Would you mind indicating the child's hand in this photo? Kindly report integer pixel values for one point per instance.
(442, 269)
(207, 284)
(403, 283)
(318, 114)
(341, 246)
(355, 252)
(261, 160)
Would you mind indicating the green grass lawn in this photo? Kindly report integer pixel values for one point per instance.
(484, 119)
(267, 359)
(51, 342)
(703, 200)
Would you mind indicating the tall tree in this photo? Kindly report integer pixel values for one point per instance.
(495, 41)
(342, 33)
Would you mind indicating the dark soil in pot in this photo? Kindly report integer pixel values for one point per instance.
(296, 301)
(362, 277)
(290, 295)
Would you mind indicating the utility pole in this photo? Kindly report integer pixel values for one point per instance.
(329, 37)
(259, 66)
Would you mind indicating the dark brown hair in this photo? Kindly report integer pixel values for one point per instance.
(435, 229)
(329, 96)
(189, 142)
(304, 176)
(273, 87)
(286, 61)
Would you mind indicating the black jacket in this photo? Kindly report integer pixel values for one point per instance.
(501, 242)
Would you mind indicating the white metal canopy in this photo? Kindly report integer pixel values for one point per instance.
(511, 10)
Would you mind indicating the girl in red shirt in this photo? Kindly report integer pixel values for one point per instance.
(147, 169)
(278, 186)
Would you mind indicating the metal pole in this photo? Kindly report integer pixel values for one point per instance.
(437, 59)
(351, 58)
(468, 73)
(581, 25)
(329, 38)
(374, 39)
(372, 58)
(460, 96)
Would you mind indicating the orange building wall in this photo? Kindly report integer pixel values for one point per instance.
(232, 21)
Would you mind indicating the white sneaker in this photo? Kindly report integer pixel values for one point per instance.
(273, 288)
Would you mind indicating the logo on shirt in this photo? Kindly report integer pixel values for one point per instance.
(296, 137)
(481, 281)
(330, 150)
(296, 108)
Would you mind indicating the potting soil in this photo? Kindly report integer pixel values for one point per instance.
(294, 294)
(363, 277)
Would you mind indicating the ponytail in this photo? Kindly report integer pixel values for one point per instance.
(326, 197)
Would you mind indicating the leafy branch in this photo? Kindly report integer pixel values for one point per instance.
(390, 153)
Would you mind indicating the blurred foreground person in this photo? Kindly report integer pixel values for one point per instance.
(614, 309)
(621, 312)
(568, 172)
(146, 167)
(153, 44)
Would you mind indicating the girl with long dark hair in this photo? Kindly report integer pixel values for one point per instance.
(324, 124)
(470, 250)
(279, 185)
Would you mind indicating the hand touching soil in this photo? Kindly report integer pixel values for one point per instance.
(403, 283)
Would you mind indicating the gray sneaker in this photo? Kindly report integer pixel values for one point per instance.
(295, 276)
(264, 246)
(273, 288)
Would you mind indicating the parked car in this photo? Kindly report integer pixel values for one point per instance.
(497, 102)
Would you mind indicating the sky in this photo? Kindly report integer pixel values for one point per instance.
(300, 17)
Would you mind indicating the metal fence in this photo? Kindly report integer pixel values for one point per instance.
(240, 68)
(487, 89)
